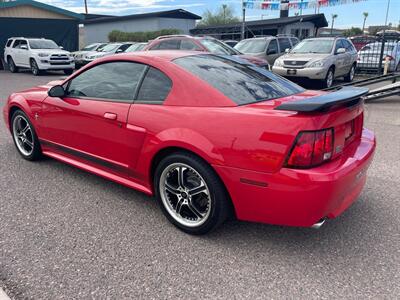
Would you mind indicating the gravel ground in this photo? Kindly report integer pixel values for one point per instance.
(68, 234)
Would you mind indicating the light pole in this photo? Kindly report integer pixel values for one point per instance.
(86, 9)
(244, 18)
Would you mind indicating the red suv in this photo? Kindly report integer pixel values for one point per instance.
(204, 43)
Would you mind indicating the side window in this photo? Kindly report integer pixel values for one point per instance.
(155, 87)
(339, 44)
(294, 41)
(189, 45)
(122, 48)
(9, 42)
(284, 44)
(110, 81)
(349, 46)
(23, 43)
(272, 47)
(16, 43)
(168, 45)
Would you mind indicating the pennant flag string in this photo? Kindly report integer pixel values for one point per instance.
(296, 4)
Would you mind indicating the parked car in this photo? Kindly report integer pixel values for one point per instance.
(136, 47)
(231, 43)
(360, 41)
(38, 55)
(268, 48)
(80, 56)
(256, 146)
(204, 43)
(322, 59)
(109, 49)
(368, 56)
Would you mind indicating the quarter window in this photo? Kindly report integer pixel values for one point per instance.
(155, 87)
(109, 81)
(9, 43)
(189, 45)
(168, 45)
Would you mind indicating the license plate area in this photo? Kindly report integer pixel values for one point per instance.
(291, 72)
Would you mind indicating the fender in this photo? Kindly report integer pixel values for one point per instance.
(177, 138)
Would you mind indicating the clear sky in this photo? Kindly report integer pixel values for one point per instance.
(348, 14)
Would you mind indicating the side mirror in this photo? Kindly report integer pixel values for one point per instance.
(56, 91)
(287, 50)
(61, 47)
(340, 51)
(24, 47)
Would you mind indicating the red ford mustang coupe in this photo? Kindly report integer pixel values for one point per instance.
(210, 136)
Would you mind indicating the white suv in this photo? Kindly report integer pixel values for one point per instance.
(38, 55)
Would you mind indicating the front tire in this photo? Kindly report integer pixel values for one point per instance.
(35, 68)
(350, 76)
(329, 78)
(25, 137)
(190, 194)
(11, 65)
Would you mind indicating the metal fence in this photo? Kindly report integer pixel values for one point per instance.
(377, 54)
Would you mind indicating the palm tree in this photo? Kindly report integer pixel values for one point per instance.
(224, 8)
(365, 14)
(334, 16)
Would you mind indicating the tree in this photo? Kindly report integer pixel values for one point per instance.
(224, 15)
(365, 14)
(352, 31)
(334, 16)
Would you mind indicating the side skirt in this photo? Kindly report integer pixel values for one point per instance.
(90, 168)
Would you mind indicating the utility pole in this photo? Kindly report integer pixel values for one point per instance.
(244, 19)
(383, 39)
(86, 10)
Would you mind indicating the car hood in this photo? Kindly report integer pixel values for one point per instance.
(304, 56)
(51, 51)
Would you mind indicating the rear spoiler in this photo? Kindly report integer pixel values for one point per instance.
(346, 96)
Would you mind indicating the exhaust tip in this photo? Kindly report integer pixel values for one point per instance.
(319, 224)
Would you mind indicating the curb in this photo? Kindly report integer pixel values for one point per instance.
(3, 295)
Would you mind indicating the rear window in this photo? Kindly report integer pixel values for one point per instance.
(241, 82)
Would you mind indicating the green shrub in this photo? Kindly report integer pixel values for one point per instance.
(140, 36)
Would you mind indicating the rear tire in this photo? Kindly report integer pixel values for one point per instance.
(11, 65)
(25, 137)
(350, 76)
(35, 68)
(329, 78)
(190, 194)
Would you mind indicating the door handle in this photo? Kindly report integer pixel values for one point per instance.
(110, 116)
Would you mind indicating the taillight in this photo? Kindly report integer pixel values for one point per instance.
(311, 148)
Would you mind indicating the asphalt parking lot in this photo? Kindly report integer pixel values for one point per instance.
(67, 234)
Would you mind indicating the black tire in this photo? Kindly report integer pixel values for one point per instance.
(36, 153)
(68, 71)
(350, 76)
(35, 68)
(326, 82)
(218, 206)
(11, 65)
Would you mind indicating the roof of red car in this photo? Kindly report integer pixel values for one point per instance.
(167, 55)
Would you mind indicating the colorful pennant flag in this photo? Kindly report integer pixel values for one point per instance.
(296, 4)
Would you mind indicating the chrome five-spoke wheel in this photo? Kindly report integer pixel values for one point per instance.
(23, 135)
(185, 194)
(190, 193)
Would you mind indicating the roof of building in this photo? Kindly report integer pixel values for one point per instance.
(95, 16)
(175, 14)
(319, 20)
(41, 5)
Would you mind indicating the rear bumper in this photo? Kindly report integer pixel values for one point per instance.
(296, 197)
(310, 73)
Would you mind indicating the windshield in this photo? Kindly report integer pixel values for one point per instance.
(216, 47)
(110, 48)
(135, 47)
(314, 46)
(91, 47)
(241, 82)
(251, 46)
(43, 44)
